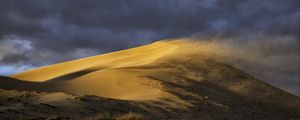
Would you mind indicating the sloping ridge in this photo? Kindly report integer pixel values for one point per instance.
(151, 72)
(131, 57)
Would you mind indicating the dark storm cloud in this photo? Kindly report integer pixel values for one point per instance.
(13, 58)
(41, 32)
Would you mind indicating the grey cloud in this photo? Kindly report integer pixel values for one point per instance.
(13, 58)
(61, 26)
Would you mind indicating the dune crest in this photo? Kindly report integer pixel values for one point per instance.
(124, 58)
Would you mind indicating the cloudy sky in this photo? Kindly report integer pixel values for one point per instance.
(40, 32)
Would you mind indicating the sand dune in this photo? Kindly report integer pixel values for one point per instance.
(167, 76)
(97, 76)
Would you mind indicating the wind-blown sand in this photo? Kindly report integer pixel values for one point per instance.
(164, 80)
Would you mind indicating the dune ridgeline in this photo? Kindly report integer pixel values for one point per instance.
(172, 79)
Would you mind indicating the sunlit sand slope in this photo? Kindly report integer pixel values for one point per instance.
(131, 57)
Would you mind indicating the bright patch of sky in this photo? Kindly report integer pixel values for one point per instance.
(9, 69)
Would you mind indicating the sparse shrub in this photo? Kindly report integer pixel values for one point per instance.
(130, 116)
(127, 116)
(102, 116)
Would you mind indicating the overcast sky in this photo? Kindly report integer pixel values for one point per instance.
(40, 32)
